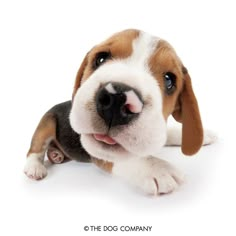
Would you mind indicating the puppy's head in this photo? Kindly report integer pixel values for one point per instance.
(125, 89)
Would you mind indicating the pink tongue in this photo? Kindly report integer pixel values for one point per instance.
(104, 138)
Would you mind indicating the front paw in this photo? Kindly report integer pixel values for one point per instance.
(159, 177)
(34, 169)
(154, 176)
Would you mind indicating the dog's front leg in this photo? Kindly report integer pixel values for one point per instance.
(44, 134)
(152, 175)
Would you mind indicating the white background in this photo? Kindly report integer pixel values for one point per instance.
(42, 44)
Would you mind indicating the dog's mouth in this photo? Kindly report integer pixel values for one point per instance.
(105, 147)
(105, 139)
(107, 142)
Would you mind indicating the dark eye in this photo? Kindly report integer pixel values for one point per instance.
(170, 82)
(100, 58)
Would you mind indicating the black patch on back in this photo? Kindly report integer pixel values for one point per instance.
(65, 135)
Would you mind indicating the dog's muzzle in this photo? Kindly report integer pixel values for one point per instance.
(118, 104)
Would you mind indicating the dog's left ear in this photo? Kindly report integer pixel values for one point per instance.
(187, 112)
(79, 75)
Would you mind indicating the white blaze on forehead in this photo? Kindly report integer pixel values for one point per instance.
(143, 47)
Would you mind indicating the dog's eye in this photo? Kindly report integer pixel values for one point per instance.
(100, 58)
(170, 82)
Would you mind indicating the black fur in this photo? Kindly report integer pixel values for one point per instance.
(65, 135)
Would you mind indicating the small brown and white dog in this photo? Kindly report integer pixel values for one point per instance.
(125, 90)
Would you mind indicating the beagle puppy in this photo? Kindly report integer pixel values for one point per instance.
(124, 92)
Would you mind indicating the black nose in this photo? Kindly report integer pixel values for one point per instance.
(112, 107)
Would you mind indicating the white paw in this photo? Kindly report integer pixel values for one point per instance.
(209, 137)
(159, 177)
(34, 169)
(152, 175)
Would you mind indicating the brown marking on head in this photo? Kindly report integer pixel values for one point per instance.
(105, 165)
(182, 103)
(165, 60)
(119, 45)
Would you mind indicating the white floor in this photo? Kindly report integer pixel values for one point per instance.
(41, 47)
(75, 195)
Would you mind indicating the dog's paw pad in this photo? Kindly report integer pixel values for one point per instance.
(35, 170)
(55, 155)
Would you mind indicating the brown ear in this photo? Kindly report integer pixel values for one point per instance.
(79, 75)
(188, 114)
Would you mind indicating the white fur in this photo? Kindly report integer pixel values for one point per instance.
(134, 72)
(34, 167)
(110, 89)
(152, 175)
(174, 137)
(143, 47)
(209, 137)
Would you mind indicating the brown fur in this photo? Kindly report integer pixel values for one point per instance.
(105, 165)
(188, 114)
(45, 131)
(80, 74)
(182, 104)
(165, 60)
(120, 46)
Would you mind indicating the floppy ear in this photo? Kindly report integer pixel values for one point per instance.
(79, 75)
(188, 114)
